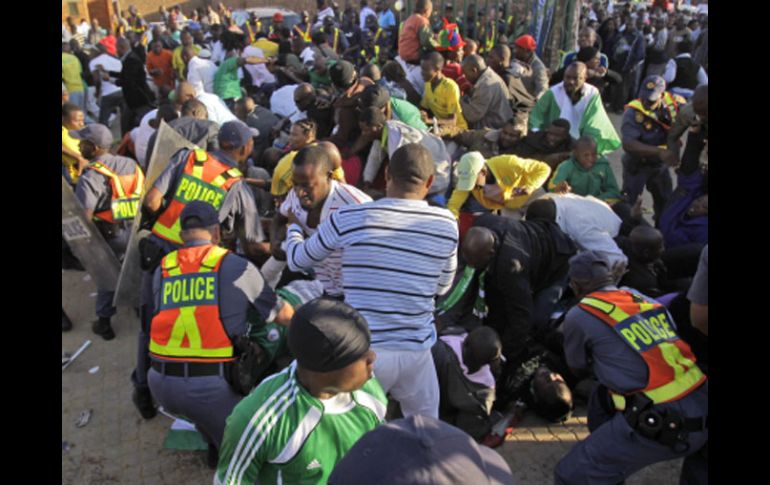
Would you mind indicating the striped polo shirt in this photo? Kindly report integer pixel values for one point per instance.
(280, 433)
(328, 271)
(398, 254)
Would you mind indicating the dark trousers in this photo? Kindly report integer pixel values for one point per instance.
(656, 178)
(108, 105)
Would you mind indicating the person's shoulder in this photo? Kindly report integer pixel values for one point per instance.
(271, 389)
(351, 195)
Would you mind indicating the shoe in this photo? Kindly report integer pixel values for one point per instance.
(143, 401)
(103, 328)
(212, 457)
(66, 323)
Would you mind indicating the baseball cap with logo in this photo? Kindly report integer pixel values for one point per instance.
(652, 88)
(468, 170)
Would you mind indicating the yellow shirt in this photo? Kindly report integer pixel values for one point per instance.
(510, 172)
(70, 73)
(270, 49)
(178, 64)
(444, 101)
(282, 183)
(72, 144)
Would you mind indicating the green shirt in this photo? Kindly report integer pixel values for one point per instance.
(599, 181)
(281, 434)
(408, 113)
(318, 80)
(71, 73)
(226, 82)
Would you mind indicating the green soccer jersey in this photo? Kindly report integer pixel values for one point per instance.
(281, 434)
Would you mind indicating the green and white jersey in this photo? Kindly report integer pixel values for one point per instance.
(281, 434)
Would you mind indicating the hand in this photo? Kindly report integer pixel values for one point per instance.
(563, 187)
(669, 157)
(82, 164)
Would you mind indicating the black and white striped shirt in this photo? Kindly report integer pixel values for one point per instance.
(398, 254)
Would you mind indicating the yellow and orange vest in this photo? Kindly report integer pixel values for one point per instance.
(648, 329)
(126, 192)
(188, 326)
(204, 178)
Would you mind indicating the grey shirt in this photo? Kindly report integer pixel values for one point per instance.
(535, 79)
(645, 131)
(240, 287)
(490, 104)
(699, 290)
(238, 210)
(94, 190)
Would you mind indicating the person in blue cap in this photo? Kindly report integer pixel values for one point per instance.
(215, 177)
(646, 160)
(651, 403)
(201, 297)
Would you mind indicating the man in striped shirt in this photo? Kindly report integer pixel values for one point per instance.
(314, 198)
(297, 424)
(398, 254)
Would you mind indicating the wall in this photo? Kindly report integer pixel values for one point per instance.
(102, 11)
(82, 11)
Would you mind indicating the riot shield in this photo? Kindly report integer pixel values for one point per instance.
(167, 143)
(86, 242)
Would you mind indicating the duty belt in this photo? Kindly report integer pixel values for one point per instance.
(190, 369)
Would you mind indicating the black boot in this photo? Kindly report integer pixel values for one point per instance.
(212, 458)
(103, 328)
(66, 323)
(143, 402)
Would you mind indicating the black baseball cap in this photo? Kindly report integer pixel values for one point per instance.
(589, 266)
(198, 214)
(374, 96)
(343, 74)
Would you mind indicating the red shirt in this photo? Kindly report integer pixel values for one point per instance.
(454, 71)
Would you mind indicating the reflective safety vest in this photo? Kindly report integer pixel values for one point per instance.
(336, 38)
(377, 35)
(188, 326)
(305, 35)
(648, 329)
(204, 178)
(126, 192)
(670, 102)
(373, 59)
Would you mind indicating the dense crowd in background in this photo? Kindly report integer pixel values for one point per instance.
(418, 196)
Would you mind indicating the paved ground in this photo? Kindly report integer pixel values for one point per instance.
(119, 447)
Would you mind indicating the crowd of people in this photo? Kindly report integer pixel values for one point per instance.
(404, 229)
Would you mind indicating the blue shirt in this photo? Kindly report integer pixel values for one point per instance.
(387, 19)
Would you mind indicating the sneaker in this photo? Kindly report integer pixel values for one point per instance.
(66, 323)
(143, 401)
(103, 328)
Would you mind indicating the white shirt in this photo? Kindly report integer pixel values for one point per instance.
(83, 29)
(218, 111)
(670, 74)
(217, 52)
(282, 103)
(328, 271)
(200, 73)
(259, 73)
(365, 12)
(590, 222)
(327, 12)
(109, 63)
(307, 55)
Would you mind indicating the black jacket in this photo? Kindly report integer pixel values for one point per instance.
(133, 80)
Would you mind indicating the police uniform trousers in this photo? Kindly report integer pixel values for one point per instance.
(206, 401)
(656, 177)
(614, 451)
(146, 305)
(104, 298)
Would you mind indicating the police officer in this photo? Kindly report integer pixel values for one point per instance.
(652, 401)
(201, 295)
(194, 175)
(109, 190)
(646, 123)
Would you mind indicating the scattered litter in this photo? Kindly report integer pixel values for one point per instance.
(87, 277)
(76, 354)
(93, 370)
(92, 295)
(66, 446)
(65, 357)
(162, 411)
(84, 418)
